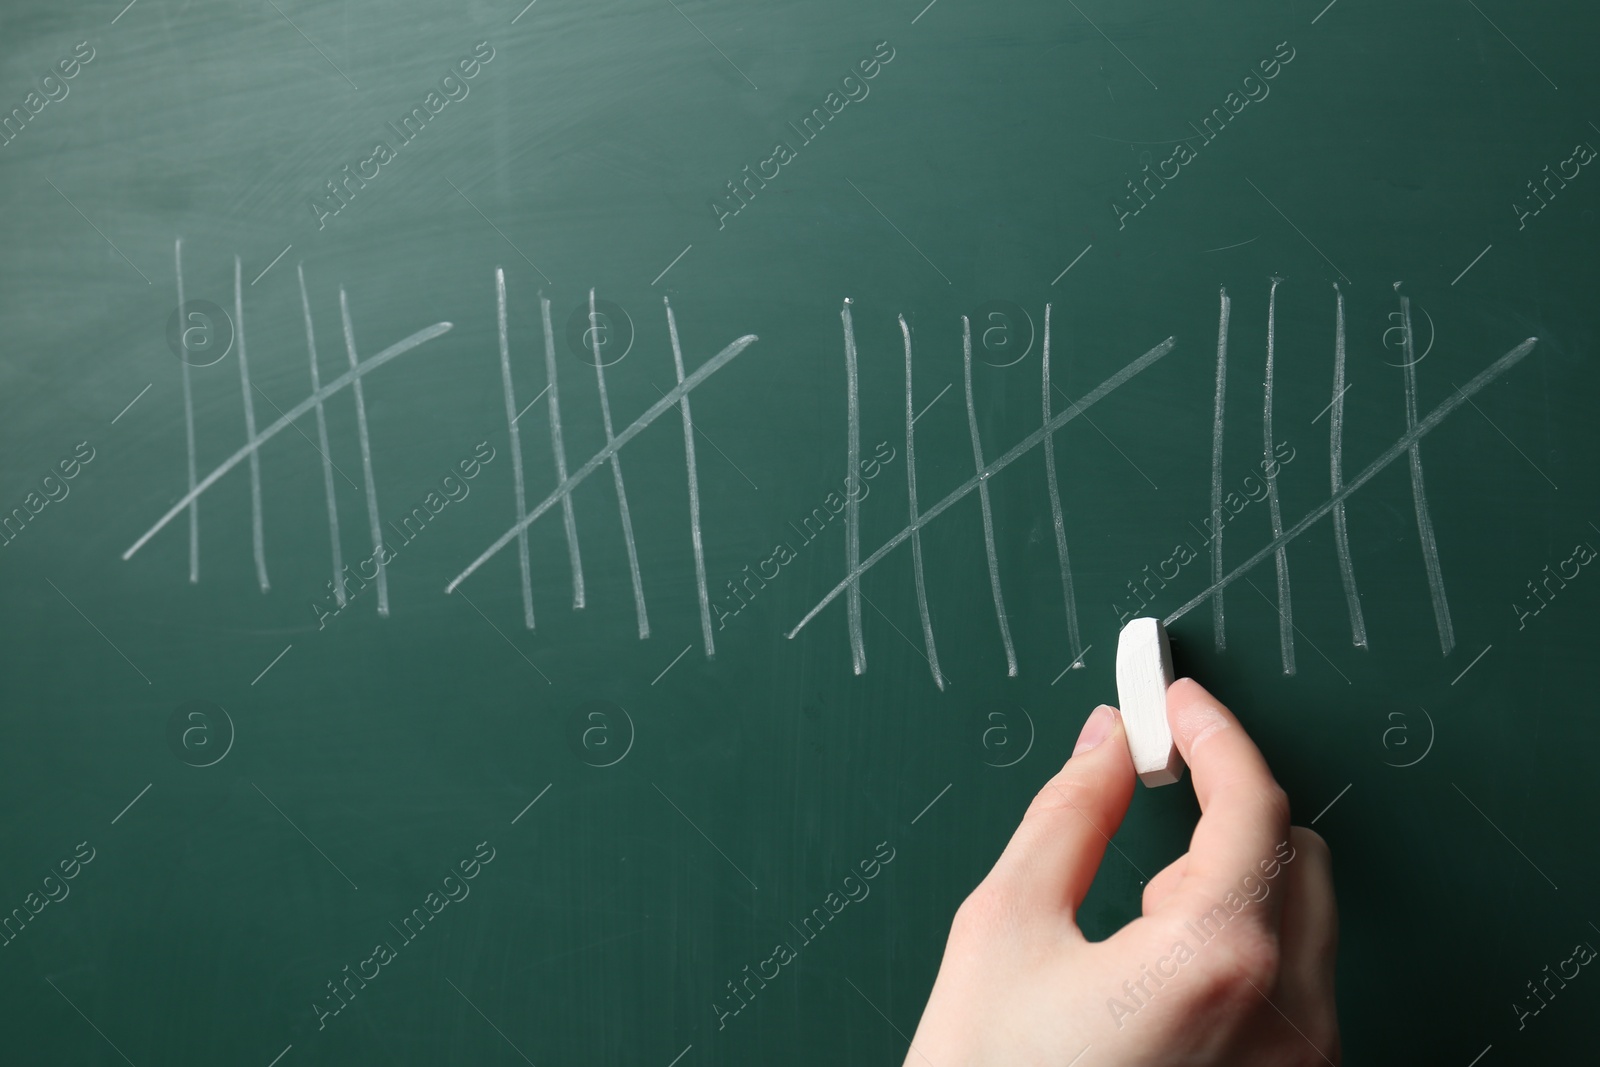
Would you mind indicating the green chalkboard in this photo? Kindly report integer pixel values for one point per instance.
(465, 599)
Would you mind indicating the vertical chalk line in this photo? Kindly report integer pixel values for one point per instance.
(1057, 519)
(668, 401)
(1370, 471)
(520, 491)
(393, 352)
(322, 441)
(852, 507)
(916, 535)
(616, 475)
(1281, 557)
(188, 417)
(1017, 451)
(983, 499)
(1419, 494)
(257, 533)
(560, 449)
(1218, 623)
(1341, 532)
(367, 478)
(693, 472)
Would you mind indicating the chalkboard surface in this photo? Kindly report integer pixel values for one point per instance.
(505, 511)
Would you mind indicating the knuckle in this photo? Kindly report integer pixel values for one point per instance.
(1242, 967)
(1275, 803)
(1061, 794)
(986, 911)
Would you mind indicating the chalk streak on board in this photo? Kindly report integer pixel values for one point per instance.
(286, 1049)
(257, 532)
(1495, 370)
(1074, 640)
(694, 490)
(652, 413)
(367, 478)
(931, 654)
(188, 417)
(354, 375)
(680, 1056)
(569, 520)
(1018, 450)
(1075, 664)
(518, 487)
(1419, 494)
(852, 507)
(1341, 533)
(322, 438)
(983, 499)
(1219, 630)
(1281, 559)
(616, 476)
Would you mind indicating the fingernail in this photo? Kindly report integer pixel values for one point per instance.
(1097, 729)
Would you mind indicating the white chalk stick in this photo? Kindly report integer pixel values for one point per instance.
(1144, 670)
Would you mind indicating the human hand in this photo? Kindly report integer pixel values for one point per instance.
(1231, 963)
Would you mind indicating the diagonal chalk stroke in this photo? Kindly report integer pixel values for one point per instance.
(1426, 426)
(1057, 519)
(694, 491)
(257, 533)
(1341, 533)
(188, 423)
(852, 507)
(395, 350)
(575, 557)
(616, 476)
(1018, 450)
(322, 436)
(931, 654)
(1281, 559)
(1419, 495)
(652, 413)
(983, 500)
(367, 477)
(1218, 621)
(516, 444)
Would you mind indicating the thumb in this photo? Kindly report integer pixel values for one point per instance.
(1052, 858)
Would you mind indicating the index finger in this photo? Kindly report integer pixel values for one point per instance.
(1244, 813)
